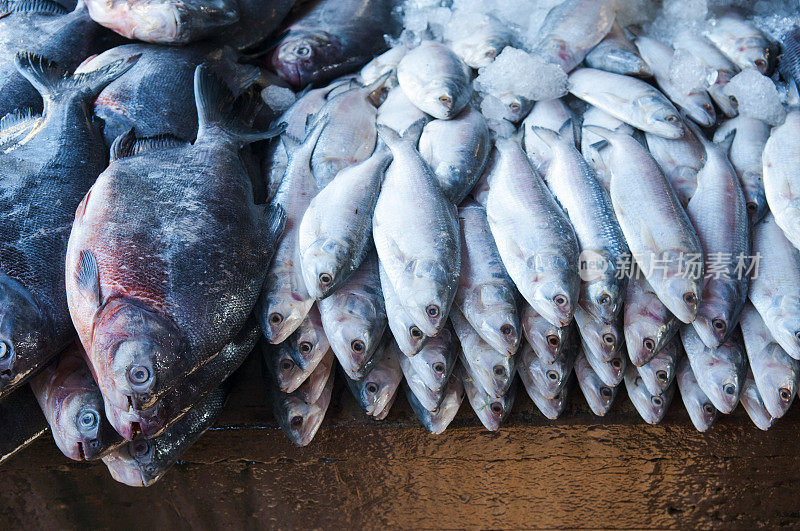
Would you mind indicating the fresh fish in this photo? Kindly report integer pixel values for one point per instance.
(73, 406)
(549, 114)
(745, 152)
(701, 411)
(456, 150)
(45, 175)
(592, 145)
(598, 395)
(611, 372)
(312, 388)
(435, 362)
(398, 113)
(604, 339)
(781, 158)
(436, 421)
(549, 407)
(648, 324)
(740, 41)
(629, 99)
(150, 257)
(696, 103)
(651, 408)
(491, 410)
(385, 63)
(486, 295)
(309, 342)
(427, 397)
(719, 371)
(479, 43)
(354, 317)
(22, 421)
(547, 340)
(409, 337)
(333, 242)
(775, 372)
(378, 387)
(435, 80)
(754, 405)
(142, 462)
(658, 231)
(789, 64)
(387, 409)
(616, 53)
(285, 300)
(492, 370)
(572, 28)
(600, 238)
(680, 159)
(548, 378)
(697, 45)
(328, 38)
(658, 373)
(534, 237)
(774, 289)
(415, 228)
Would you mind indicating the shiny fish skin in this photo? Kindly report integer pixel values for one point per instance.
(648, 324)
(629, 99)
(435, 362)
(781, 158)
(398, 113)
(598, 395)
(680, 159)
(789, 65)
(381, 65)
(309, 342)
(435, 80)
(615, 53)
(549, 407)
(595, 155)
(486, 296)
(611, 372)
(550, 114)
(688, 40)
(437, 421)
(312, 388)
(354, 317)
(298, 419)
(376, 390)
(456, 150)
(428, 398)
(604, 339)
(655, 225)
(491, 411)
(409, 337)
(22, 421)
(719, 372)
(774, 291)
(492, 370)
(658, 373)
(701, 411)
(571, 29)
(651, 408)
(533, 235)
(745, 153)
(415, 229)
(484, 43)
(754, 405)
(548, 341)
(600, 238)
(548, 378)
(775, 372)
(718, 213)
(740, 41)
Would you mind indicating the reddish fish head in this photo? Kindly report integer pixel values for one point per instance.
(81, 430)
(304, 58)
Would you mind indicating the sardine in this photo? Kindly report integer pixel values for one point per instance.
(754, 405)
(598, 395)
(719, 371)
(781, 158)
(701, 411)
(547, 340)
(592, 144)
(658, 373)
(435, 362)
(378, 387)
(604, 339)
(549, 114)
(612, 371)
(549, 407)
(491, 410)
(427, 397)
(548, 377)
(680, 159)
(409, 337)
(648, 324)
(651, 408)
(436, 421)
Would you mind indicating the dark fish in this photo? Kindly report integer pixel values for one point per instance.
(168, 253)
(22, 422)
(43, 181)
(329, 38)
(789, 63)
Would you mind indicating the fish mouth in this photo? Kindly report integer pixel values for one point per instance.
(289, 72)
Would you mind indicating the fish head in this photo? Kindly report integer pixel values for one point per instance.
(717, 315)
(142, 20)
(123, 467)
(753, 53)
(651, 407)
(603, 299)
(682, 296)
(659, 372)
(628, 61)
(26, 337)
(300, 58)
(478, 53)
(138, 354)
(556, 291)
(439, 357)
(299, 420)
(755, 197)
(550, 377)
(288, 374)
(517, 107)
(780, 384)
(324, 267)
(662, 120)
(282, 307)
(131, 423)
(378, 387)
(441, 98)
(604, 339)
(723, 374)
(81, 430)
(703, 413)
(309, 341)
(557, 50)
(599, 395)
(138, 463)
(546, 339)
(499, 322)
(427, 292)
(785, 328)
(409, 337)
(359, 328)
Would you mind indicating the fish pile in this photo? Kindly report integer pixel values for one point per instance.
(437, 195)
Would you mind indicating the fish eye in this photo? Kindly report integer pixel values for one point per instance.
(729, 388)
(275, 318)
(296, 421)
(649, 344)
(491, 53)
(438, 367)
(657, 401)
(560, 300)
(606, 391)
(325, 279)
(446, 100)
(514, 106)
(719, 325)
(499, 370)
(662, 375)
(752, 208)
(672, 118)
(139, 448)
(88, 420)
(760, 63)
(287, 365)
(689, 297)
(552, 375)
(553, 340)
(305, 347)
(497, 407)
(616, 363)
(372, 388)
(506, 329)
(797, 335)
(357, 345)
(302, 51)
(786, 395)
(139, 375)
(432, 310)
(609, 339)
(5, 350)
(416, 333)
(604, 299)
(709, 408)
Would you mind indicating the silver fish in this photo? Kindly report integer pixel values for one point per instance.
(774, 289)
(616, 53)
(309, 343)
(436, 421)
(486, 295)
(456, 150)
(611, 372)
(719, 371)
(701, 411)
(298, 419)
(775, 372)
(680, 159)
(648, 324)
(312, 388)
(435, 362)
(604, 339)
(745, 153)
(598, 395)
(690, 41)
(435, 80)
(549, 114)
(286, 373)
(547, 340)
(491, 410)
(477, 38)
(629, 99)
(409, 337)
(754, 405)
(549, 378)
(549, 407)
(658, 373)
(415, 228)
(398, 113)
(385, 413)
(378, 387)
(534, 237)
(385, 63)
(781, 159)
(740, 41)
(658, 231)
(427, 397)
(651, 408)
(592, 144)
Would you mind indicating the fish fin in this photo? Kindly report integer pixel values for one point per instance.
(275, 221)
(218, 111)
(32, 7)
(122, 146)
(567, 129)
(602, 132)
(548, 136)
(378, 83)
(53, 82)
(411, 134)
(88, 277)
(599, 145)
(727, 141)
(127, 145)
(290, 143)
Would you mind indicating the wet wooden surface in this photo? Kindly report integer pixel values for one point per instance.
(579, 471)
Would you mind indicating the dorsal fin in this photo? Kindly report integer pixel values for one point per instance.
(31, 7)
(87, 277)
(127, 145)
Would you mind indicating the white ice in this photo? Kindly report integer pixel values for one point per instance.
(756, 96)
(522, 74)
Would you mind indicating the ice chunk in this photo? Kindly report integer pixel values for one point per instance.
(536, 15)
(685, 9)
(522, 74)
(492, 108)
(278, 99)
(756, 96)
(635, 11)
(688, 73)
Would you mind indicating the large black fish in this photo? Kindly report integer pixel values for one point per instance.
(22, 422)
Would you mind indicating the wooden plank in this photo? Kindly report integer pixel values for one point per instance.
(579, 471)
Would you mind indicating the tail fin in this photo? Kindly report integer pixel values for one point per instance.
(411, 135)
(55, 83)
(217, 110)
